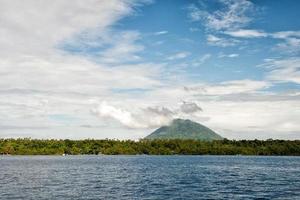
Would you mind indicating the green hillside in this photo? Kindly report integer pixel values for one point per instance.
(184, 129)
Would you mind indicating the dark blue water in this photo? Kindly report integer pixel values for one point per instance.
(149, 177)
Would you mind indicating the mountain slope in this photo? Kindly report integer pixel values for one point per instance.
(184, 129)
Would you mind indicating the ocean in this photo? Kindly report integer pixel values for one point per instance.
(149, 177)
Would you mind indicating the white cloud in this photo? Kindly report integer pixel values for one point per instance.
(198, 61)
(125, 117)
(254, 119)
(145, 117)
(190, 107)
(233, 15)
(192, 29)
(229, 87)
(124, 48)
(179, 55)
(290, 46)
(212, 38)
(283, 70)
(161, 33)
(286, 34)
(35, 27)
(219, 41)
(205, 57)
(246, 33)
(233, 55)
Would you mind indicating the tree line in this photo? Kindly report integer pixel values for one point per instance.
(27, 146)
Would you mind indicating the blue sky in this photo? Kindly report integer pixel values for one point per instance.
(167, 28)
(120, 69)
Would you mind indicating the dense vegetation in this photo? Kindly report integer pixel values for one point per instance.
(29, 146)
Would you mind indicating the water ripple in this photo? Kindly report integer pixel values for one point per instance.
(149, 177)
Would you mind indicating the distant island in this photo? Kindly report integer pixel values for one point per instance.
(184, 129)
(181, 137)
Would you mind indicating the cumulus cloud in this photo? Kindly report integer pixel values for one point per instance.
(123, 116)
(140, 118)
(189, 107)
(145, 117)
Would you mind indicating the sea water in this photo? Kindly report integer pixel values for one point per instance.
(149, 177)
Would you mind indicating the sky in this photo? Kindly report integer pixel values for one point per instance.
(119, 69)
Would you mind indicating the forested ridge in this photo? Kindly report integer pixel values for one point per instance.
(27, 146)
